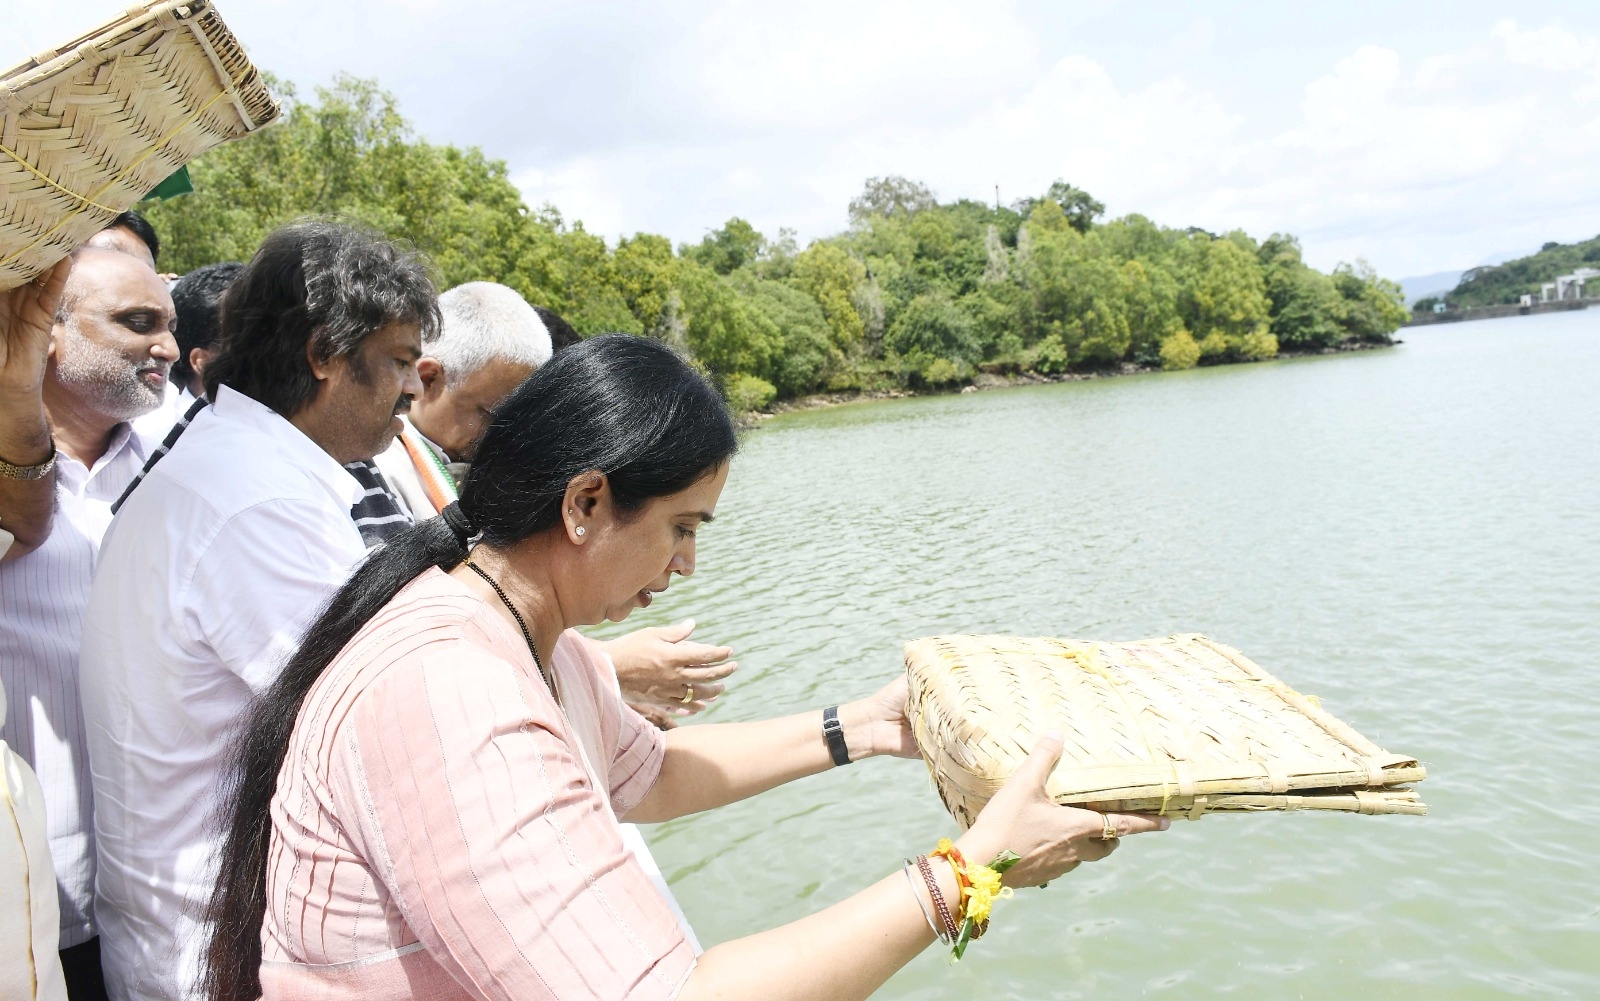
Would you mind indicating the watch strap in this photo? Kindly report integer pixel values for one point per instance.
(833, 734)
(37, 471)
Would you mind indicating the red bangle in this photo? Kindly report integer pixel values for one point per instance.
(953, 855)
(926, 868)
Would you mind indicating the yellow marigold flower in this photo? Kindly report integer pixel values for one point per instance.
(984, 891)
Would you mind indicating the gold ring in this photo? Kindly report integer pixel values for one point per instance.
(688, 694)
(1108, 830)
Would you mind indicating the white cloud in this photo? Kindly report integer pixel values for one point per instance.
(1419, 149)
(1414, 162)
(1552, 47)
(843, 63)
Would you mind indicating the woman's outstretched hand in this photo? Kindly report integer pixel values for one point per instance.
(877, 724)
(1051, 839)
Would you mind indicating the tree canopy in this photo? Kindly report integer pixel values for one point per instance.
(915, 292)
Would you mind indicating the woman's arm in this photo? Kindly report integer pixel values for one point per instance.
(713, 765)
(848, 950)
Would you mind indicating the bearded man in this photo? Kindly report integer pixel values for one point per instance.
(107, 361)
(219, 558)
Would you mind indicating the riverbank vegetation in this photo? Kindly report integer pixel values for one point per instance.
(1506, 284)
(915, 293)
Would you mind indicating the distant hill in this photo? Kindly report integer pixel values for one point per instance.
(1508, 282)
(1422, 286)
(1440, 282)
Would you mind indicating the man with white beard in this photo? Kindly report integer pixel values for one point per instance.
(109, 353)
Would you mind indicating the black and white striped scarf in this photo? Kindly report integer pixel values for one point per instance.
(380, 514)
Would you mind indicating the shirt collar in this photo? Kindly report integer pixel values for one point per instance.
(122, 437)
(232, 405)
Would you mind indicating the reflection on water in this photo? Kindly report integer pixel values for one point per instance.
(1411, 534)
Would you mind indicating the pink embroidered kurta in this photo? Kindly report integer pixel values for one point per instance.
(441, 829)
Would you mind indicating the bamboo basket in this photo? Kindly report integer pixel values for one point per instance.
(88, 129)
(1180, 726)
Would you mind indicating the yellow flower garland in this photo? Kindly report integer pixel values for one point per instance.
(981, 886)
(984, 891)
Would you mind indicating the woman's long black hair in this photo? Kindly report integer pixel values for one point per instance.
(623, 405)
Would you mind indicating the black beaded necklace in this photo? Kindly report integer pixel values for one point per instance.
(549, 682)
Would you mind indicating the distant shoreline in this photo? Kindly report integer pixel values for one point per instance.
(1494, 312)
(985, 381)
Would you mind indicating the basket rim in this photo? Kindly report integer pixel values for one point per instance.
(20, 82)
(29, 72)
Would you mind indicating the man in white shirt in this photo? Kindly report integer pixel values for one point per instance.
(109, 352)
(30, 916)
(218, 560)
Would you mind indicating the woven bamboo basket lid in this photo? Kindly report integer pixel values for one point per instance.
(1180, 726)
(90, 128)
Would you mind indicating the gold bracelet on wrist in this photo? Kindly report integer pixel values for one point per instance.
(37, 471)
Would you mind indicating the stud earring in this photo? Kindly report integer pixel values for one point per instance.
(579, 531)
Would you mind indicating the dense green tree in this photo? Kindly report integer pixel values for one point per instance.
(1150, 297)
(646, 273)
(804, 354)
(722, 330)
(931, 330)
(1372, 306)
(890, 196)
(830, 275)
(736, 245)
(1080, 208)
(1226, 305)
(914, 291)
(1305, 304)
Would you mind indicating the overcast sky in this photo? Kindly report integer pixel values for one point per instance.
(1422, 137)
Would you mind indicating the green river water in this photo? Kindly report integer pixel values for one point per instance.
(1412, 534)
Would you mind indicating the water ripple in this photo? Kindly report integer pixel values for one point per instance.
(1413, 535)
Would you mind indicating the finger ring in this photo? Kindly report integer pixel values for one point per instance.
(688, 694)
(1108, 830)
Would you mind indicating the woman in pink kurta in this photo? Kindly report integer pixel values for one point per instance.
(426, 803)
(495, 804)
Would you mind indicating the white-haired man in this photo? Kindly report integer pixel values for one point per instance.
(490, 341)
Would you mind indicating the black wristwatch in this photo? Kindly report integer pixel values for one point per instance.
(833, 733)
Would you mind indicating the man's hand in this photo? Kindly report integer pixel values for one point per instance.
(26, 315)
(659, 666)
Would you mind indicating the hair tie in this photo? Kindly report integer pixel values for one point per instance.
(460, 524)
